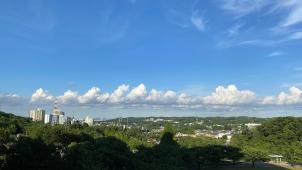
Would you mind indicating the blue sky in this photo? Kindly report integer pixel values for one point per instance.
(249, 48)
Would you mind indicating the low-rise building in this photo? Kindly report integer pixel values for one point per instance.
(252, 125)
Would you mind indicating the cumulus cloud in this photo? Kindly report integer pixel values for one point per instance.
(41, 95)
(68, 97)
(138, 93)
(162, 97)
(222, 96)
(294, 96)
(154, 95)
(170, 97)
(229, 96)
(103, 98)
(184, 99)
(90, 96)
(119, 94)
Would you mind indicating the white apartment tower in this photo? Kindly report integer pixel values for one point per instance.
(37, 114)
(89, 121)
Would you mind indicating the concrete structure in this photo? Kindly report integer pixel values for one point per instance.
(61, 119)
(56, 110)
(89, 120)
(57, 116)
(76, 121)
(252, 125)
(48, 118)
(276, 158)
(37, 114)
(54, 119)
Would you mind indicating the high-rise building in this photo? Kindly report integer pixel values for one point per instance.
(48, 118)
(37, 114)
(56, 110)
(57, 116)
(61, 119)
(55, 119)
(89, 121)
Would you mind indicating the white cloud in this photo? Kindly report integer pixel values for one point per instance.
(138, 93)
(241, 8)
(268, 100)
(244, 7)
(276, 53)
(295, 12)
(90, 96)
(118, 95)
(229, 96)
(234, 30)
(224, 96)
(163, 98)
(68, 97)
(184, 99)
(198, 21)
(170, 97)
(103, 98)
(41, 96)
(294, 96)
(154, 96)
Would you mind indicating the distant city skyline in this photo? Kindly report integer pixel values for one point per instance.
(152, 58)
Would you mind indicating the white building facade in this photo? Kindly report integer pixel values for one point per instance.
(37, 114)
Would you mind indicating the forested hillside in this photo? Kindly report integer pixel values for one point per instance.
(282, 136)
(33, 145)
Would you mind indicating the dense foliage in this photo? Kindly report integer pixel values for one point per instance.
(33, 145)
(281, 136)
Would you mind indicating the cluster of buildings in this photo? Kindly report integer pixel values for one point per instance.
(57, 117)
(252, 125)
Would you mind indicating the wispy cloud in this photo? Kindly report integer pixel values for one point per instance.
(178, 18)
(296, 35)
(243, 7)
(234, 30)
(255, 42)
(276, 53)
(295, 12)
(198, 21)
(285, 29)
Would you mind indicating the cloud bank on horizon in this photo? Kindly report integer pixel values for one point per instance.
(140, 96)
